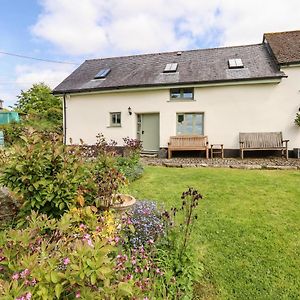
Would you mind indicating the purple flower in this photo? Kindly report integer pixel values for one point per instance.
(77, 295)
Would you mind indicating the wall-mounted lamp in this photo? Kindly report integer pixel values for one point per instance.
(129, 111)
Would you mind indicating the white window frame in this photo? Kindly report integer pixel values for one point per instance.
(190, 113)
(114, 116)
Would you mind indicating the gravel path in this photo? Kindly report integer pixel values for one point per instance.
(253, 163)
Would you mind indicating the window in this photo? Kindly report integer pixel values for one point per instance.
(170, 68)
(235, 63)
(183, 93)
(190, 123)
(102, 73)
(115, 119)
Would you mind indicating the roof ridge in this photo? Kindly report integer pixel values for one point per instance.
(171, 52)
(283, 32)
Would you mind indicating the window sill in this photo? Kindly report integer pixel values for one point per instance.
(181, 100)
(114, 126)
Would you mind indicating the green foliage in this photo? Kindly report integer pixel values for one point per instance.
(45, 173)
(39, 101)
(175, 255)
(297, 119)
(65, 259)
(130, 167)
(39, 109)
(108, 180)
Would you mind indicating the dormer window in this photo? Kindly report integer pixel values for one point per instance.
(171, 68)
(235, 63)
(102, 73)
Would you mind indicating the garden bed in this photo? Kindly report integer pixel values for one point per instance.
(254, 163)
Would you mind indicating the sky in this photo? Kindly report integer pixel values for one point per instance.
(71, 31)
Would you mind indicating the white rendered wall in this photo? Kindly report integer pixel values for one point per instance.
(228, 110)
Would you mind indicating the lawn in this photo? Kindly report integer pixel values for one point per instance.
(248, 231)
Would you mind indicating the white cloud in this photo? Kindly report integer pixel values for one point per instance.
(27, 75)
(52, 75)
(115, 27)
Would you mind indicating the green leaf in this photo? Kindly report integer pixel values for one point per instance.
(58, 290)
(93, 278)
(125, 289)
(54, 277)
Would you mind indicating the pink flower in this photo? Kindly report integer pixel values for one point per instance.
(16, 276)
(25, 273)
(117, 239)
(66, 261)
(151, 242)
(77, 295)
(82, 227)
(33, 282)
(28, 296)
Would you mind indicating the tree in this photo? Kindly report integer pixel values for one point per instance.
(43, 110)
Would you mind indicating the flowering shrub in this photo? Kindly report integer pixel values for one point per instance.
(147, 221)
(71, 258)
(175, 257)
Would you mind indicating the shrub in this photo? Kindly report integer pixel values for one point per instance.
(66, 259)
(44, 173)
(108, 180)
(297, 119)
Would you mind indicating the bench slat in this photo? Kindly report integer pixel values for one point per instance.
(187, 142)
(262, 141)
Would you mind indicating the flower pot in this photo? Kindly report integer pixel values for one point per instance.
(125, 202)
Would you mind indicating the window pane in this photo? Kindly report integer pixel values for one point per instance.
(192, 123)
(187, 93)
(175, 93)
(115, 119)
(118, 117)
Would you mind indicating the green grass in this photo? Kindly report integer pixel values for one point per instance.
(248, 231)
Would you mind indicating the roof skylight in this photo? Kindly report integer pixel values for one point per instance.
(171, 68)
(102, 73)
(235, 63)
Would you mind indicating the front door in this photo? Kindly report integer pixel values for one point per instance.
(148, 131)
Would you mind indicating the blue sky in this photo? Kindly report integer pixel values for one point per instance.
(72, 31)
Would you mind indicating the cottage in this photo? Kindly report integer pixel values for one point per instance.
(217, 92)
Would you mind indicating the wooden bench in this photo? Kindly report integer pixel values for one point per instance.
(187, 142)
(253, 141)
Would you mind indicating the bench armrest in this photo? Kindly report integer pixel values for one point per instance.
(285, 141)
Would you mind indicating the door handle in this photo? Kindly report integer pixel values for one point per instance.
(143, 131)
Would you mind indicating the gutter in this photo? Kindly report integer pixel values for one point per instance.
(175, 84)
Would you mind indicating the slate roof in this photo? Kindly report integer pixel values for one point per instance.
(285, 46)
(194, 67)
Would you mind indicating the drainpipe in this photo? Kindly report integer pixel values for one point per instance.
(65, 119)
